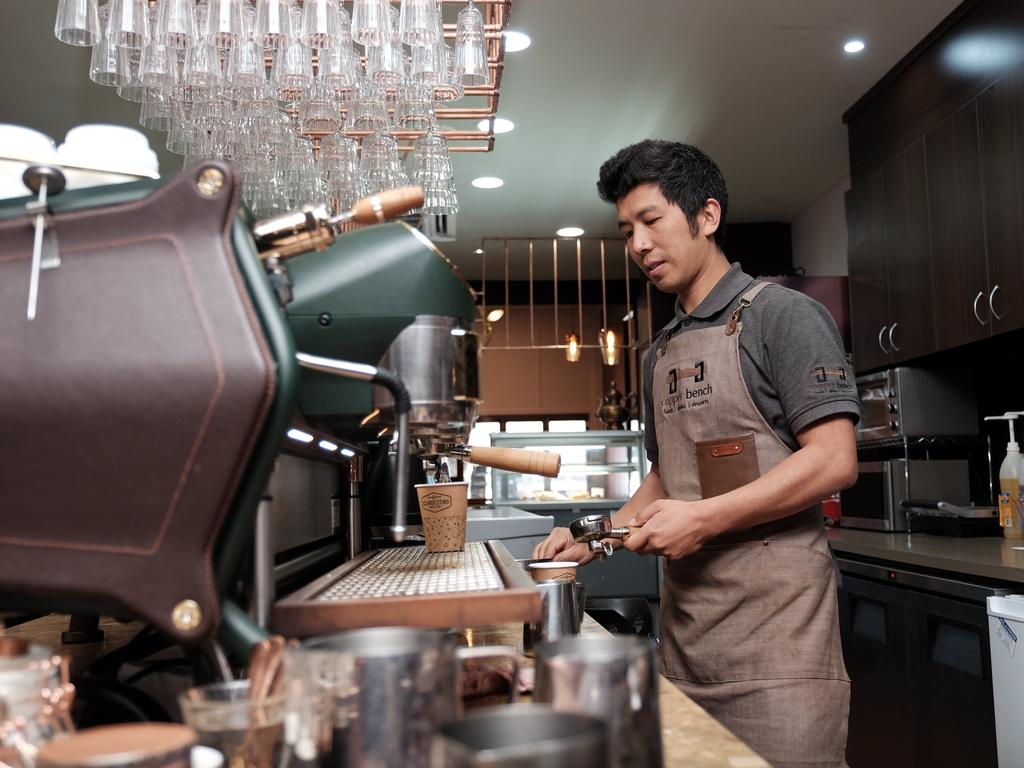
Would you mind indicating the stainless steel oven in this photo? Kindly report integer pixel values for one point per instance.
(907, 402)
(874, 500)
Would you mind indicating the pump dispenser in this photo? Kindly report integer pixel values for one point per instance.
(1009, 482)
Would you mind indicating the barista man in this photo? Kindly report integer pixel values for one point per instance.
(750, 414)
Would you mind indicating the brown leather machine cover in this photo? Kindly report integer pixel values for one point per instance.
(130, 405)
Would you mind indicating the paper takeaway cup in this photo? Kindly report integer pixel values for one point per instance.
(443, 509)
(554, 570)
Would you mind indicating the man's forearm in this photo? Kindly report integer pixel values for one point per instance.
(817, 469)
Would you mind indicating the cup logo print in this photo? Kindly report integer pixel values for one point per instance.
(435, 502)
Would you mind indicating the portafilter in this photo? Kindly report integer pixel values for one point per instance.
(592, 530)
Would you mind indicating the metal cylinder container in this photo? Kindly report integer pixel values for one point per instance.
(614, 678)
(522, 736)
(438, 360)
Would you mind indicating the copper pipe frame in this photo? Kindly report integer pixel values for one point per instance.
(496, 18)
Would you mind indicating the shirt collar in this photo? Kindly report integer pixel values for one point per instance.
(732, 284)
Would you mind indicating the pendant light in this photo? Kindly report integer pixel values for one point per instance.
(607, 339)
(610, 346)
(572, 347)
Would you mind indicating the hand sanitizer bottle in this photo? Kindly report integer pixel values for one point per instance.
(1009, 483)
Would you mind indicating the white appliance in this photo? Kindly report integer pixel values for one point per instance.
(1006, 636)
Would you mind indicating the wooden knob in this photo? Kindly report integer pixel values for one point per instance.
(517, 460)
(378, 208)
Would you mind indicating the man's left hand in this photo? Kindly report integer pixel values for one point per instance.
(672, 529)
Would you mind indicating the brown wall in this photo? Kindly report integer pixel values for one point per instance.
(528, 382)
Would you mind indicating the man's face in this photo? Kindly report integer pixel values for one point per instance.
(659, 240)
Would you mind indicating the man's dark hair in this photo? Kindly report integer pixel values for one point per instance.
(685, 175)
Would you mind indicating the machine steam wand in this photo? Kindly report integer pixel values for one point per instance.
(387, 379)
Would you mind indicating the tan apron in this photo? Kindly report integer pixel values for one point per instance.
(749, 625)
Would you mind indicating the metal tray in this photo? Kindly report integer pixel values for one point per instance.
(409, 587)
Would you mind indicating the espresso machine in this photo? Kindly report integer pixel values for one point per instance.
(381, 296)
(202, 411)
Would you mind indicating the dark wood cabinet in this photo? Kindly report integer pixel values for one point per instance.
(890, 262)
(936, 235)
(920, 670)
(969, 113)
(1001, 135)
(959, 269)
(869, 295)
(951, 682)
(872, 618)
(908, 255)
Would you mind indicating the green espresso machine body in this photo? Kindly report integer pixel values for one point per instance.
(386, 296)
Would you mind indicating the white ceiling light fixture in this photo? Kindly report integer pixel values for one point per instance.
(569, 232)
(478, 251)
(516, 41)
(487, 182)
(501, 125)
(854, 46)
(495, 315)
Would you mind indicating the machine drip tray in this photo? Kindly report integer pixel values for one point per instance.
(408, 586)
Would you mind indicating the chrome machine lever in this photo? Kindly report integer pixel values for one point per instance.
(44, 180)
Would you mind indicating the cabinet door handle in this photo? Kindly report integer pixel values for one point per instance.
(881, 344)
(977, 317)
(991, 302)
(893, 344)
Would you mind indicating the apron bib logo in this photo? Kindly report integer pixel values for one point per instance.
(696, 396)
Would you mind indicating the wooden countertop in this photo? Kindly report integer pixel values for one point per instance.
(690, 736)
(988, 557)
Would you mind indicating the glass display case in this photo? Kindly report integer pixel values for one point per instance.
(600, 470)
(598, 466)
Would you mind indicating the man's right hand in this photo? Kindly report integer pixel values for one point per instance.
(559, 545)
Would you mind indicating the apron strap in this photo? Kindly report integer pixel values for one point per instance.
(745, 301)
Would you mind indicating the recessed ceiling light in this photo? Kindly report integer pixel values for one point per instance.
(501, 125)
(516, 41)
(569, 232)
(854, 46)
(478, 251)
(487, 182)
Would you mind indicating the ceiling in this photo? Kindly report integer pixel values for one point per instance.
(760, 86)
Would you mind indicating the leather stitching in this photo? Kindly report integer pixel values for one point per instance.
(200, 433)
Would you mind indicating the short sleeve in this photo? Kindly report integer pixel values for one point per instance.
(650, 435)
(807, 361)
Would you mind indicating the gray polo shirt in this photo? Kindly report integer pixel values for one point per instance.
(788, 343)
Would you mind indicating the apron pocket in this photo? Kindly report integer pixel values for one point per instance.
(726, 464)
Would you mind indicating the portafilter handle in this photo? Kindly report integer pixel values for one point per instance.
(542, 463)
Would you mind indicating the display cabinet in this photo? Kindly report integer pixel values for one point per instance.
(600, 470)
(598, 466)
